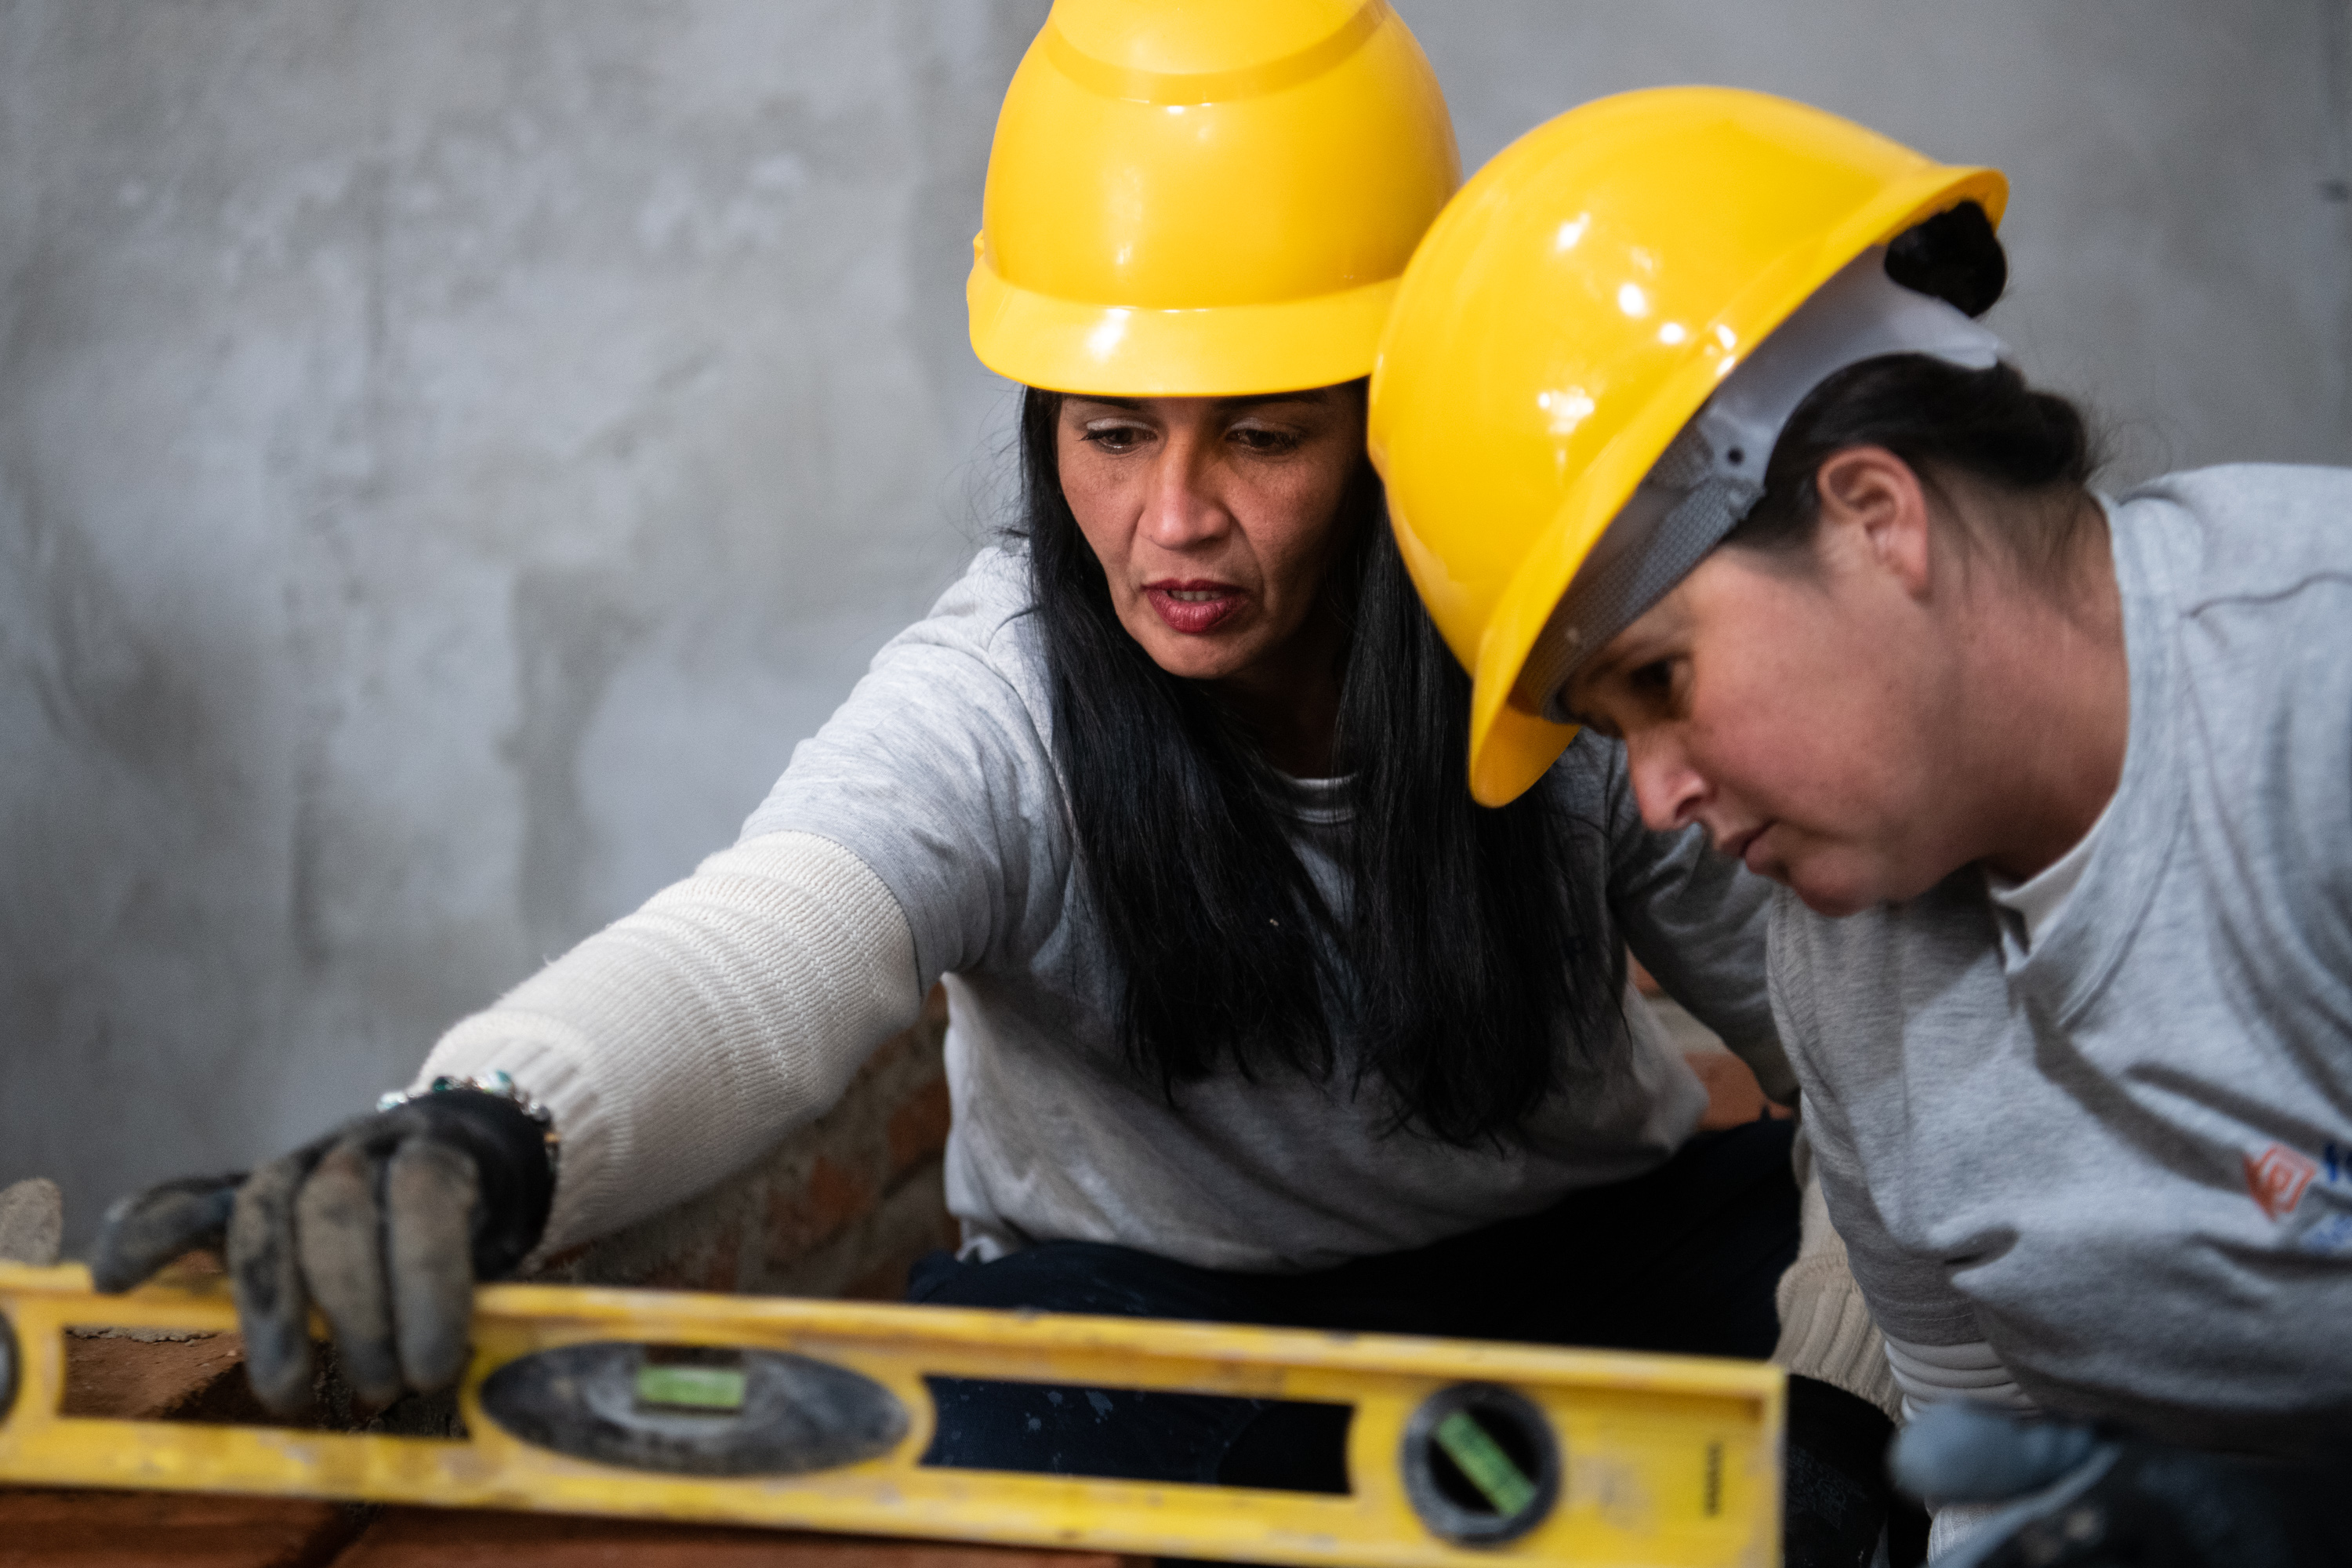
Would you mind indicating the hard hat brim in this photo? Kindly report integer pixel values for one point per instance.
(1231, 351)
(1511, 749)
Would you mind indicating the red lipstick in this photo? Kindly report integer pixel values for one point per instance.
(1193, 608)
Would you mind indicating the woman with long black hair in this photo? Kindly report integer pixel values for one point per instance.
(1254, 1014)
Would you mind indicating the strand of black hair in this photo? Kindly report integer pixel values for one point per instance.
(1475, 969)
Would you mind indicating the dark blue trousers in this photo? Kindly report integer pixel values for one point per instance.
(1684, 1258)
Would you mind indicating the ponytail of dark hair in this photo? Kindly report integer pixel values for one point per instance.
(1475, 953)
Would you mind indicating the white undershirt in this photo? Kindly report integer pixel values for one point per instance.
(2037, 901)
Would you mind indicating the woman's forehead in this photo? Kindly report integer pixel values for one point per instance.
(1239, 403)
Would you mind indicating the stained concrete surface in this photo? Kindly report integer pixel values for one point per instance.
(32, 1222)
(450, 451)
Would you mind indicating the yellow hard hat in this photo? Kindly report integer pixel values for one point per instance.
(1211, 198)
(1568, 314)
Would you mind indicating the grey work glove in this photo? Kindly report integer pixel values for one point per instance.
(384, 1224)
(2085, 1497)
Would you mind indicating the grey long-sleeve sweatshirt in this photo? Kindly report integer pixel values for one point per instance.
(923, 833)
(2120, 1155)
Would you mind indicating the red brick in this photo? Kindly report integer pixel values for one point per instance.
(710, 1265)
(832, 1196)
(833, 1207)
(136, 1379)
(919, 1127)
(888, 1281)
(158, 1530)
(424, 1538)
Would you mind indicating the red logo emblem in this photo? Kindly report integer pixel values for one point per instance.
(2277, 1177)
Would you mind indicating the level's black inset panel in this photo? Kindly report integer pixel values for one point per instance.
(696, 1411)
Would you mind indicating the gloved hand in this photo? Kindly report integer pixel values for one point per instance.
(384, 1224)
(2084, 1496)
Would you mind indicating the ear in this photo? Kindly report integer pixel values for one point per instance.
(1872, 504)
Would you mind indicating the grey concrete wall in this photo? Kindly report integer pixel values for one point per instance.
(450, 450)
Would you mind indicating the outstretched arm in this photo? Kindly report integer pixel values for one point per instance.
(681, 1042)
(917, 833)
(662, 1053)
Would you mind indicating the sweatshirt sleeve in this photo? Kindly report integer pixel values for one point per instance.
(683, 1040)
(1696, 921)
(919, 832)
(938, 775)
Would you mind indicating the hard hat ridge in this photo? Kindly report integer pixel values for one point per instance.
(1215, 198)
(1228, 75)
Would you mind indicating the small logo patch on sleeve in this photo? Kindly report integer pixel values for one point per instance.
(2277, 1177)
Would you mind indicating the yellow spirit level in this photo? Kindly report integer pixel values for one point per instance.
(815, 1414)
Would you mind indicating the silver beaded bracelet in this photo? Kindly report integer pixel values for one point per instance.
(496, 1084)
